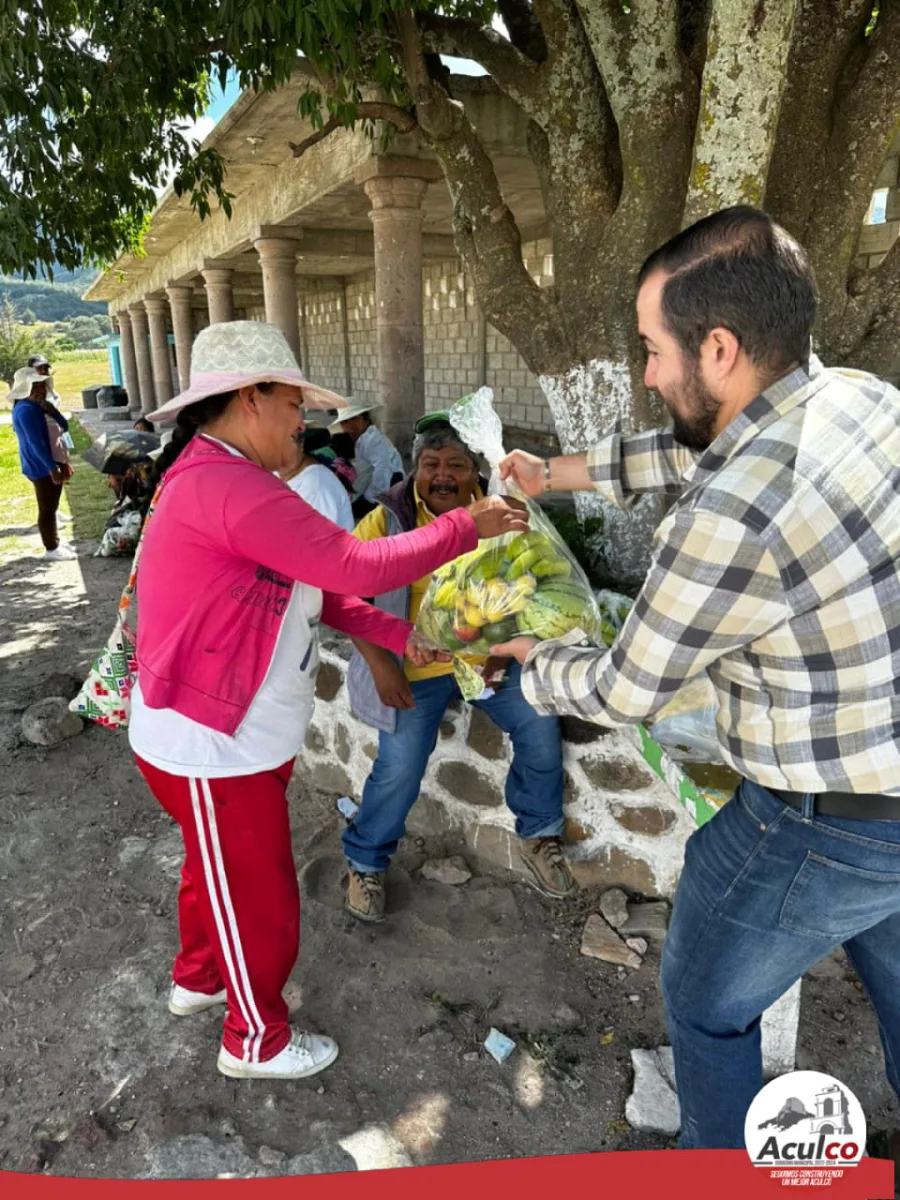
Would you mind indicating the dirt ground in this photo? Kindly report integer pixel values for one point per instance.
(97, 1079)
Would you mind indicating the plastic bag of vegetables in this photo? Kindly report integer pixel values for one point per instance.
(522, 583)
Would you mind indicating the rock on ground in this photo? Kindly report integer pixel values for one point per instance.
(451, 871)
(614, 906)
(600, 941)
(49, 722)
(647, 920)
(653, 1104)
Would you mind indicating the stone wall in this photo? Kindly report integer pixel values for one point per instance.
(361, 334)
(624, 827)
(322, 331)
(461, 351)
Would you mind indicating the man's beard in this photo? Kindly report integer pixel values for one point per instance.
(696, 431)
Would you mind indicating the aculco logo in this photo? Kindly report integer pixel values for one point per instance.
(805, 1124)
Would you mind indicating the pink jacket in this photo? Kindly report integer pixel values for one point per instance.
(222, 550)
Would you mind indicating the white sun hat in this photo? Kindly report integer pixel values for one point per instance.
(25, 378)
(234, 354)
(352, 410)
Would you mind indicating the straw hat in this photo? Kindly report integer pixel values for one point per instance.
(234, 354)
(24, 379)
(352, 410)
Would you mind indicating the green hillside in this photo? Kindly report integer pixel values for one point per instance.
(56, 301)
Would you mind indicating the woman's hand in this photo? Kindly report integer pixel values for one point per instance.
(495, 515)
(422, 654)
(527, 470)
(518, 648)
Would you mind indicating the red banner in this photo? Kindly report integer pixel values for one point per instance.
(699, 1174)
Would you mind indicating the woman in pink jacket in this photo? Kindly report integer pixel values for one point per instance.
(236, 573)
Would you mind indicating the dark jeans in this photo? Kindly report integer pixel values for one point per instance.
(534, 785)
(48, 496)
(766, 891)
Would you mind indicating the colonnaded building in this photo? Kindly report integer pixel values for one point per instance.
(349, 250)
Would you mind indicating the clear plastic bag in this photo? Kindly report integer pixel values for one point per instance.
(519, 583)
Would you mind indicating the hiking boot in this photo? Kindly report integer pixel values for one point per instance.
(305, 1054)
(365, 895)
(183, 1003)
(547, 870)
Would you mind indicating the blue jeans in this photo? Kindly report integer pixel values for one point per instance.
(767, 891)
(534, 784)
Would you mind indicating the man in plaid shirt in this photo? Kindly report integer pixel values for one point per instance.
(777, 570)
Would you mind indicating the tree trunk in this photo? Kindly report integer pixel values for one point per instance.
(586, 402)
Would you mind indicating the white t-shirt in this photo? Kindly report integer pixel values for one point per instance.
(274, 727)
(373, 447)
(323, 491)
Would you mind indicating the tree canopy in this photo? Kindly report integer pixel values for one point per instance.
(643, 114)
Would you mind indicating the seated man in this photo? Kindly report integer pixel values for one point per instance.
(408, 707)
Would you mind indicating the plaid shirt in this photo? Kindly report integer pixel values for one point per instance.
(777, 570)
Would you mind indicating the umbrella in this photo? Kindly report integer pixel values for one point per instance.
(113, 453)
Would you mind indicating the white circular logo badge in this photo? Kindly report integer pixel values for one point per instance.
(805, 1129)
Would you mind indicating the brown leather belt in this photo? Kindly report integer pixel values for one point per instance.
(864, 806)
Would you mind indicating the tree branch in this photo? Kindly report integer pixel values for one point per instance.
(487, 236)
(513, 72)
(369, 110)
(874, 309)
(827, 33)
(525, 31)
(577, 157)
(653, 96)
(865, 120)
(740, 102)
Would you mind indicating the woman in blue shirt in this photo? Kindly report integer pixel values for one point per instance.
(29, 420)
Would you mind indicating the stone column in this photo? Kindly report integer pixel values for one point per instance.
(129, 361)
(219, 293)
(181, 298)
(159, 348)
(140, 331)
(396, 216)
(278, 259)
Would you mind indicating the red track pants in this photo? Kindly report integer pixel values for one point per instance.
(239, 903)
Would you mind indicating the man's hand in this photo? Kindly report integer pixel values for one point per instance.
(498, 514)
(494, 671)
(58, 474)
(421, 654)
(527, 470)
(391, 684)
(518, 648)
(568, 473)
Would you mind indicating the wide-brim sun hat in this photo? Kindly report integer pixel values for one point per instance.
(353, 409)
(38, 360)
(23, 381)
(235, 354)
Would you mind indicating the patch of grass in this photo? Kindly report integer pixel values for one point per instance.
(89, 495)
(69, 377)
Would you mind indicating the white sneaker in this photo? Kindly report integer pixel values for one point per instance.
(60, 554)
(305, 1054)
(64, 518)
(184, 1003)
